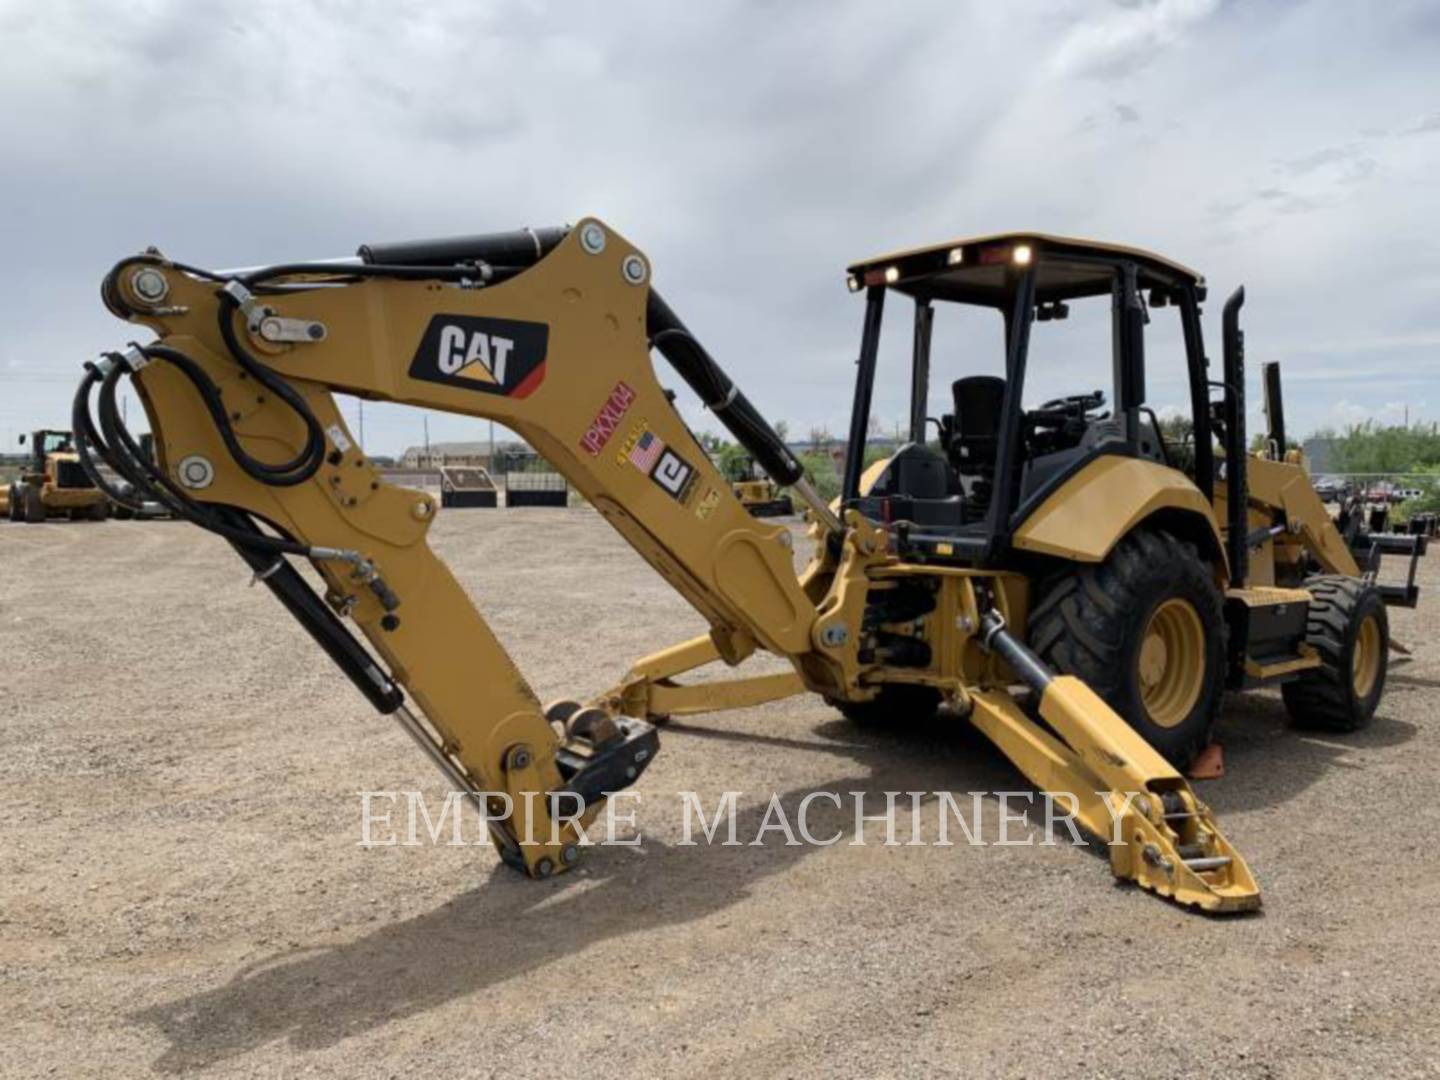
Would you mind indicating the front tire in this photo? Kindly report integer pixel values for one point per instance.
(1349, 627)
(1146, 630)
(34, 504)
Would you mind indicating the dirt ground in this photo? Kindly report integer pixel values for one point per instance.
(181, 889)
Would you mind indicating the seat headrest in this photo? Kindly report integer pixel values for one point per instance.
(978, 401)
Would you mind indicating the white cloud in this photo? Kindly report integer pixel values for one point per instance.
(1114, 42)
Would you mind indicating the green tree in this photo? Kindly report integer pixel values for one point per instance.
(821, 472)
(1428, 502)
(1373, 448)
(1179, 435)
(734, 462)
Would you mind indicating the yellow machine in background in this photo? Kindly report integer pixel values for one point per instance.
(54, 483)
(1050, 573)
(760, 495)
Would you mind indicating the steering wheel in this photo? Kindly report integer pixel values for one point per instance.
(1061, 411)
(1061, 423)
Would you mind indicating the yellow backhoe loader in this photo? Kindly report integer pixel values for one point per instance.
(54, 484)
(760, 495)
(1049, 573)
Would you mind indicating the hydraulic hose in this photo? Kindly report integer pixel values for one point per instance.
(305, 464)
(215, 405)
(127, 459)
(122, 453)
(86, 437)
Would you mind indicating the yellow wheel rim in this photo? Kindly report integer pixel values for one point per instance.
(1365, 663)
(1172, 662)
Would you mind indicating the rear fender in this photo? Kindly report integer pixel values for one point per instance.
(1087, 516)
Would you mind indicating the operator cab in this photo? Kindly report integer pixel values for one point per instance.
(969, 477)
(45, 442)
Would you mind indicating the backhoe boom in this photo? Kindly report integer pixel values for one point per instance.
(558, 350)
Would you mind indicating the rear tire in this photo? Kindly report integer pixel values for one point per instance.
(1146, 630)
(1349, 627)
(895, 705)
(16, 512)
(98, 511)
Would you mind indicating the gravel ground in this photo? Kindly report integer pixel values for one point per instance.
(181, 888)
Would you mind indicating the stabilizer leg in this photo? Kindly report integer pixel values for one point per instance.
(1160, 835)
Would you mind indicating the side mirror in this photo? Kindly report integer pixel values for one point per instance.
(22, 440)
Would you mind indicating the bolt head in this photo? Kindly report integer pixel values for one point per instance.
(195, 472)
(570, 855)
(592, 238)
(150, 284)
(634, 270)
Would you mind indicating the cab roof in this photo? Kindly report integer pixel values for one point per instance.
(980, 269)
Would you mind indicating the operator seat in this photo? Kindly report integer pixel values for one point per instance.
(972, 434)
(917, 485)
(975, 431)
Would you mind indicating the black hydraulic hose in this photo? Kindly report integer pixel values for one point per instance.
(127, 459)
(458, 260)
(86, 438)
(215, 406)
(305, 464)
(721, 396)
(262, 552)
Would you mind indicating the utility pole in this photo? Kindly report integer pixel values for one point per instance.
(426, 421)
(492, 444)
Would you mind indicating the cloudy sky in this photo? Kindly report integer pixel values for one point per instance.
(752, 149)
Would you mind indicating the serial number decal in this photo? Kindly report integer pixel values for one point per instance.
(494, 356)
(607, 419)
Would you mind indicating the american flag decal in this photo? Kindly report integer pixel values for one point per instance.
(645, 452)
